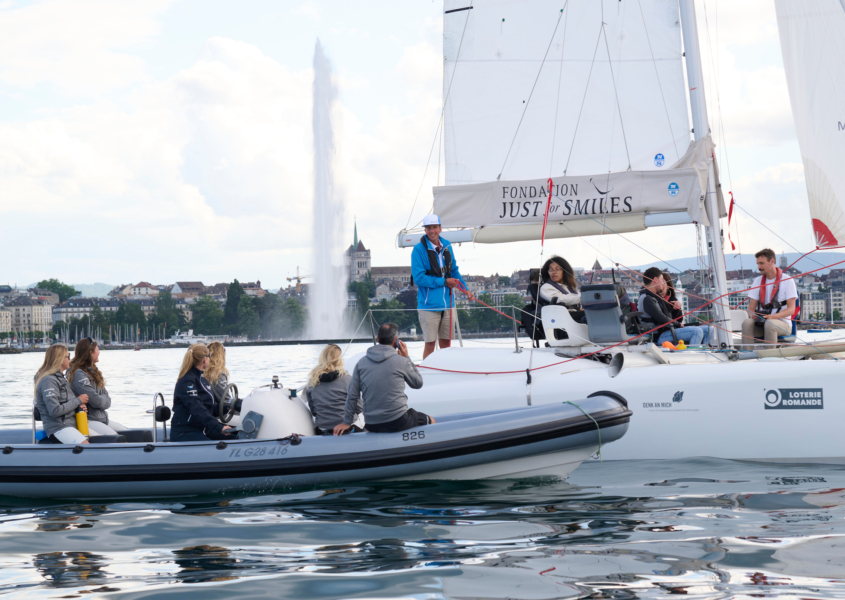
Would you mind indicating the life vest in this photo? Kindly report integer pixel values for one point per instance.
(775, 288)
(435, 270)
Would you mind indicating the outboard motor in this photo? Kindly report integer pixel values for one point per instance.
(282, 411)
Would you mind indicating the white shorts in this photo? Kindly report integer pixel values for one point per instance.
(435, 324)
(98, 428)
(69, 435)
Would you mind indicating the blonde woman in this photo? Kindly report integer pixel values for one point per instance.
(55, 399)
(217, 374)
(86, 378)
(326, 390)
(193, 402)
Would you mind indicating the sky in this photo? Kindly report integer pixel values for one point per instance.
(170, 140)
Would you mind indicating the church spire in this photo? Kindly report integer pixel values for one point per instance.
(355, 243)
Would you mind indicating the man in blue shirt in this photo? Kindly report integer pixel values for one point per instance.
(436, 275)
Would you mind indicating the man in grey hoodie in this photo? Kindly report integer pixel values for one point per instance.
(381, 377)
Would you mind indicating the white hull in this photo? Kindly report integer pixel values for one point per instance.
(712, 408)
(556, 464)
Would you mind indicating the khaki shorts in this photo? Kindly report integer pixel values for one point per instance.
(435, 324)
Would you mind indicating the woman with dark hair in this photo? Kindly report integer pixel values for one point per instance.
(86, 378)
(558, 284)
(674, 305)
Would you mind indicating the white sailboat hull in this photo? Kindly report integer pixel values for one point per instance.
(714, 408)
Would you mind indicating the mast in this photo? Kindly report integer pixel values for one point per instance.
(701, 128)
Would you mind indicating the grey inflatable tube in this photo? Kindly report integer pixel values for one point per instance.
(459, 446)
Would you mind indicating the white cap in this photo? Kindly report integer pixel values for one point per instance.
(431, 220)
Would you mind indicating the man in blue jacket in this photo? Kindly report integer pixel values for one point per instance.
(436, 276)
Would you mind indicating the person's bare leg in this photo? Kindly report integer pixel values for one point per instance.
(445, 343)
(429, 348)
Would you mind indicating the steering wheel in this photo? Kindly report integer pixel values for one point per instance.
(226, 415)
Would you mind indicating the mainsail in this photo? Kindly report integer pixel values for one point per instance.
(537, 88)
(589, 93)
(812, 40)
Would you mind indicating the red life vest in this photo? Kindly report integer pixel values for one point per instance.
(775, 288)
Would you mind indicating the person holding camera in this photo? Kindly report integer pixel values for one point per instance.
(379, 378)
(771, 304)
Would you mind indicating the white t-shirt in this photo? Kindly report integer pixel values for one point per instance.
(786, 290)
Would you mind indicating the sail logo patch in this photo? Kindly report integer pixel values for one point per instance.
(674, 189)
(659, 159)
(794, 398)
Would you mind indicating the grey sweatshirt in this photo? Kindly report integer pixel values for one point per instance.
(218, 388)
(381, 377)
(55, 401)
(98, 400)
(327, 401)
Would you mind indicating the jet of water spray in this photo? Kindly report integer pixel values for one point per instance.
(327, 294)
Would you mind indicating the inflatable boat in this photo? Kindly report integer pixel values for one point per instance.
(277, 450)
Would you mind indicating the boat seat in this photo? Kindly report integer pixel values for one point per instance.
(792, 336)
(561, 329)
(606, 322)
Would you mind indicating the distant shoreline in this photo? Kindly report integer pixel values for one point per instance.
(467, 336)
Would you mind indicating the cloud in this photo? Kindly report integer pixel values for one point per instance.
(308, 9)
(41, 43)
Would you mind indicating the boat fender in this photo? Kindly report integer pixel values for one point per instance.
(613, 395)
(8, 450)
(162, 414)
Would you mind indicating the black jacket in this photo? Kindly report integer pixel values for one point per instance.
(657, 311)
(194, 406)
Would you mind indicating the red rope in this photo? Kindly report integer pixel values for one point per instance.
(607, 347)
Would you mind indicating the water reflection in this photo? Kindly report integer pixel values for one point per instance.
(608, 534)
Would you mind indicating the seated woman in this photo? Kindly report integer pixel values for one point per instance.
(676, 310)
(55, 399)
(559, 284)
(217, 374)
(193, 402)
(328, 383)
(86, 378)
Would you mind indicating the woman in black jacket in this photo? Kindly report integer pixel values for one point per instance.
(194, 408)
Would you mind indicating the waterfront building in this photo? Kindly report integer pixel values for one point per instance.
(184, 289)
(144, 289)
(7, 291)
(400, 274)
(121, 290)
(5, 320)
(30, 314)
(253, 289)
(51, 298)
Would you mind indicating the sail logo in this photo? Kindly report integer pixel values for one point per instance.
(674, 188)
(841, 126)
(794, 398)
(659, 159)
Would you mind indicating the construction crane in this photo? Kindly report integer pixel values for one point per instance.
(298, 279)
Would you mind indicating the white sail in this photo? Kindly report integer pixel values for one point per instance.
(812, 39)
(604, 101)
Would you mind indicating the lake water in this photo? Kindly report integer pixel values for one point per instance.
(647, 529)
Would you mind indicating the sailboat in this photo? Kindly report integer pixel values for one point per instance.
(581, 106)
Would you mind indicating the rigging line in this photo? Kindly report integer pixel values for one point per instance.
(442, 113)
(770, 230)
(615, 91)
(559, 79)
(659, 85)
(583, 100)
(540, 70)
